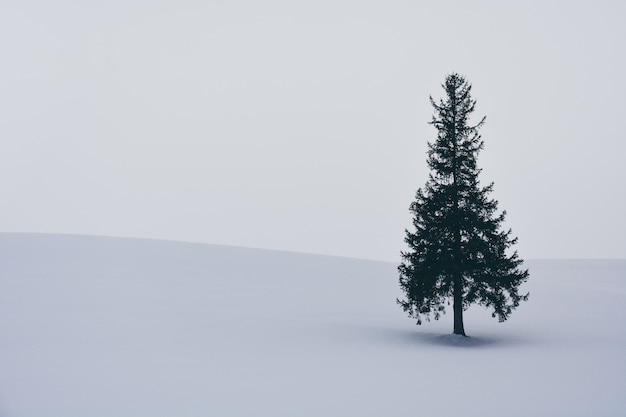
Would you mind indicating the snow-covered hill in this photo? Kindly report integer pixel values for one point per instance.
(93, 326)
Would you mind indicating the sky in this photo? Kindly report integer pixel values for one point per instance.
(303, 126)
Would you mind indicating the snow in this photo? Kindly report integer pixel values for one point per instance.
(94, 326)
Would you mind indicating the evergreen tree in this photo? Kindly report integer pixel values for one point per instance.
(458, 250)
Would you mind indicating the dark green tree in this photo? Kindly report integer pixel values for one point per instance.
(458, 250)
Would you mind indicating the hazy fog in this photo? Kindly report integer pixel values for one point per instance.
(303, 125)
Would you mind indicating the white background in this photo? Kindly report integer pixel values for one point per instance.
(303, 125)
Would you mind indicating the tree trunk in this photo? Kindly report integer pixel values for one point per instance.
(458, 276)
(458, 307)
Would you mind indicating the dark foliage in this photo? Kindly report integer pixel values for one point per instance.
(458, 250)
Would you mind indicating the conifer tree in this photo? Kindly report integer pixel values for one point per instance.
(457, 250)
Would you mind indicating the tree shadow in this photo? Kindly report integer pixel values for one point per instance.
(380, 334)
(478, 341)
(455, 340)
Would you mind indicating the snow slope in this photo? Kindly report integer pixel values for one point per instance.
(93, 326)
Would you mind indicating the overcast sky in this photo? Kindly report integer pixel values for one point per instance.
(303, 125)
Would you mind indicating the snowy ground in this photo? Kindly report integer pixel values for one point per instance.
(108, 327)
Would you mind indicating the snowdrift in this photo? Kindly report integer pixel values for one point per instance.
(94, 326)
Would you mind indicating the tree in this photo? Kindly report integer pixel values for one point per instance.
(458, 250)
